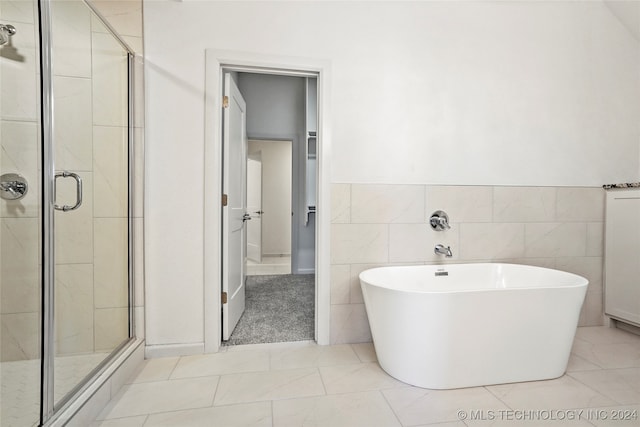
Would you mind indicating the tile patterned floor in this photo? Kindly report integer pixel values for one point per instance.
(20, 380)
(303, 384)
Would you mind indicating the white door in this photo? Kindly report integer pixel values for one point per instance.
(234, 186)
(254, 206)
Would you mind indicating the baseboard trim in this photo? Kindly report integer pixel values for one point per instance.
(173, 350)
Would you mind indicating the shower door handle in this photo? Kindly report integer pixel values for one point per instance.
(65, 174)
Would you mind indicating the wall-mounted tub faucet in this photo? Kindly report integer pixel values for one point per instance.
(439, 221)
(443, 250)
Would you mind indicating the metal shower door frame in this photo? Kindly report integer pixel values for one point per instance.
(48, 410)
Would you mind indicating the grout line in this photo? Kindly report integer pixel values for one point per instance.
(324, 387)
(215, 392)
(498, 397)
(393, 411)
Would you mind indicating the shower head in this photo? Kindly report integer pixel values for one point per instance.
(6, 31)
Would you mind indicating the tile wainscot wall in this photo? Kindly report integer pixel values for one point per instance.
(376, 225)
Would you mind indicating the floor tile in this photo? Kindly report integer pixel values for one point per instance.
(621, 385)
(451, 424)
(577, 363)
(203, 365)
(121, 422)
(367, 409)
(244, 415)
(154, 370)
(359, 377)
(312, 356)
(271, 385)
(560, 418)
(415, 406)
(609, 355)
(605, 335)
(161, 396)
(562, 393)
(365, 351)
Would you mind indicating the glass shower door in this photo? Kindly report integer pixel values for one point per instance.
(65, 297)
(91, 157)
(20, 216)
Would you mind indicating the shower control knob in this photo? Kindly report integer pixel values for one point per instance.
(13, 186)
(439, 221)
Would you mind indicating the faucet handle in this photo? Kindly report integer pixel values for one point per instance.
(439, 221)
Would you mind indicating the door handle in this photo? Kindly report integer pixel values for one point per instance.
(66, 174)
(259, 212)
(246, 217)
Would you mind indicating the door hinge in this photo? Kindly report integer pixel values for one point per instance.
(225, 102)
(224, 297)
(225, 200)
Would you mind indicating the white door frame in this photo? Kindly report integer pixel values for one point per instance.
(215, 60)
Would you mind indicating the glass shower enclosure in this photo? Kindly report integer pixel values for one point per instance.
(65, 247)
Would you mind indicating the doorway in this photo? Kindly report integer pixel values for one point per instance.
(216, 61)
(277, 293)
(269, 197)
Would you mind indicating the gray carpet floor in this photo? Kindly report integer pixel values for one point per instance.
(278, 308)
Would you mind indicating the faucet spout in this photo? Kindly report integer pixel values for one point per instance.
(443, 250)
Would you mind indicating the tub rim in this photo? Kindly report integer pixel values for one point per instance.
(581, 281)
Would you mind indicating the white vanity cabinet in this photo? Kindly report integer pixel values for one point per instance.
(622, 255)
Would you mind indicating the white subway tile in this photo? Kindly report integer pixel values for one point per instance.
(359, 243)
(74, 308)
(19, 336)
(340, 203)
(349, 324)
(73, 131)
(14, 11)
(110, 262)
(111, 328)
(580, 204)
(487, 241)
(20, 145)
(524, 204)
(340, 283)
(20, 288)
(461, 203)
(110, 171)
(110, 81)
(416, 243)
(19, 96)
(556, 239)
(71, 37)
(384, 204)
(595, 239)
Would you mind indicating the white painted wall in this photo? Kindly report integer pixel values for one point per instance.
(495, 93)
(276, 195)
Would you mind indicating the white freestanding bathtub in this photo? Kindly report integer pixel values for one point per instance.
(465, 325)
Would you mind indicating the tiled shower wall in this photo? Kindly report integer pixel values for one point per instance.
(19, 129)
(377, 225)
(82, 134)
